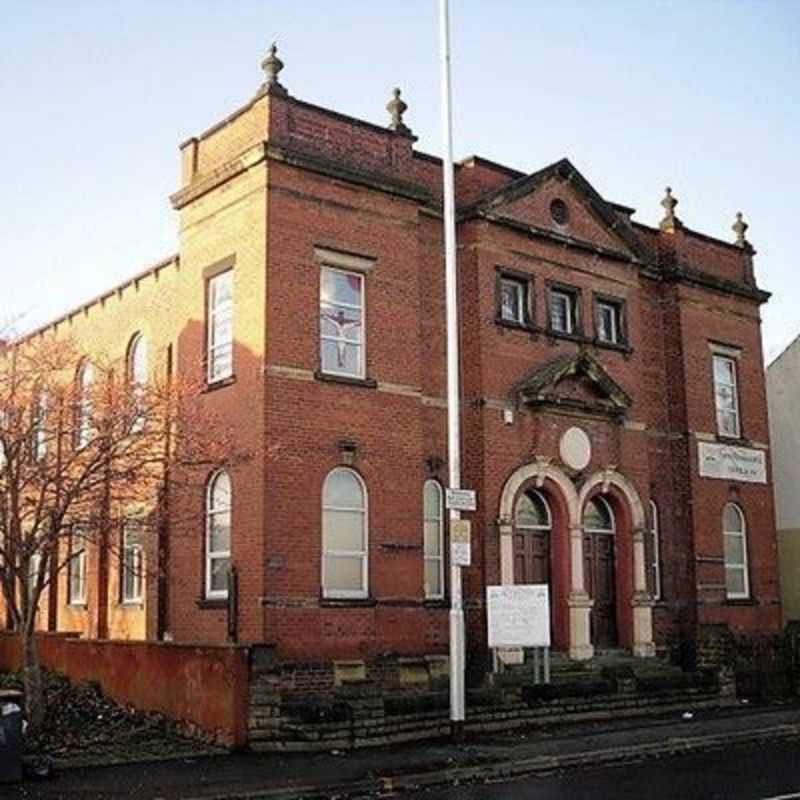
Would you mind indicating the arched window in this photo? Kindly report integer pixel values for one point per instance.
(137, 379)
(655, 543)
(598, 517)
(344, 535)
(137, 360)
(433, 540)
(84, 412)
(218, 535)
(533, 512)
(734, 530)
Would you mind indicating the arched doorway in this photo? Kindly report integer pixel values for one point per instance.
(599, 549)
(533, 525)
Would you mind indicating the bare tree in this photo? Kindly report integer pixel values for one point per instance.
(84, 445)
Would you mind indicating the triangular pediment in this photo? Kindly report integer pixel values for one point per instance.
(577, 381)
(589, 219)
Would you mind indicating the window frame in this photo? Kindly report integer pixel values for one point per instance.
(441, 536)
(655, 538)
(346, 594)
(137, 570)
(209, 555)
(362, 344)
(574, 295)
(731, 358)
(40, 412)
(137, 383)
(77, 561)
(85, 404)
(744, 566)
(596, 498)
(226, 271)
(618, 307)
(547, 526)
(525, 284)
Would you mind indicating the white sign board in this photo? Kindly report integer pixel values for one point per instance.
(461, 500)
(461, 542)
(732, 463)
(518, 616)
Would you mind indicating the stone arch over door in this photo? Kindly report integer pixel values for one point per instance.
(612, 485)
(572, 605)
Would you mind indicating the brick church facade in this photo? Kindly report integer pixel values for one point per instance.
(612, 390)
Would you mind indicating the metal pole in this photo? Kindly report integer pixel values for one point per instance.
(457, 640)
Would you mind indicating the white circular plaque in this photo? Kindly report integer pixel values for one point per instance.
(575, 448)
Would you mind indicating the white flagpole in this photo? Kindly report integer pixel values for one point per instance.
(457, 638)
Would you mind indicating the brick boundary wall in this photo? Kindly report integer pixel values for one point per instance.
(205, 688)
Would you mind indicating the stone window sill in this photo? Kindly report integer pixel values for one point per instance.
(327, 377)
(220, 384)
(569, 337)
(525, 327)
(348, 602)
(741, 602)
(619, 347)
(215, 603)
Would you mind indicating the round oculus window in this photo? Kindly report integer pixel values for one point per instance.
(559, 211)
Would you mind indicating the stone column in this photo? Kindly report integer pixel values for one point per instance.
(506, 552)
(643, 645)
(579, 602)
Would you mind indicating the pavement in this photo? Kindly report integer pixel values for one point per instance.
(384, 772)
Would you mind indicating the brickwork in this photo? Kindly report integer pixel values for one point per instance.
(268, 189)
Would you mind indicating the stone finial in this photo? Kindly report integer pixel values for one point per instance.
(396, 108)
(668, 203)
(272, 66)
(740, 229)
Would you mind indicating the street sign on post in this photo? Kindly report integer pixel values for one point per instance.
(461, 542)
(461, 500)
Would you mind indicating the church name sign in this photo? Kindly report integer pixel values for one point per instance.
(732, 463)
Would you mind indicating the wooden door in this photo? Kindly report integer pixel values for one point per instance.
(531, 557)
(600, 578)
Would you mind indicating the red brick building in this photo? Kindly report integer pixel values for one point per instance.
(614, 412)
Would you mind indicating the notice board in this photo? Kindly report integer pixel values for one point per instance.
(518, 616)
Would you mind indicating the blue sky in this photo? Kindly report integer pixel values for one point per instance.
(96, 95)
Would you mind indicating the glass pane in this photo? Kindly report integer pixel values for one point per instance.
(511, 300)
(433, 577)
(220, 533)
(532, 511)
(138, 362)
(723, 370)
(340, 287)
(221, 289)
(343, 490)
(732, 520)
(728, 422)
(597, 516)
(734, 549)
(340, 322)
(433, 539)
(734, 580)
(433, 500)
(219, 574)
(341, 357)
(87, 376)
(221, 492)
(725, 397)
(560, 312)
(343, 573)
(133, 535)
(607, 318)
(343, 530)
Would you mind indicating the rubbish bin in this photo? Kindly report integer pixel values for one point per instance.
(10, 737)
